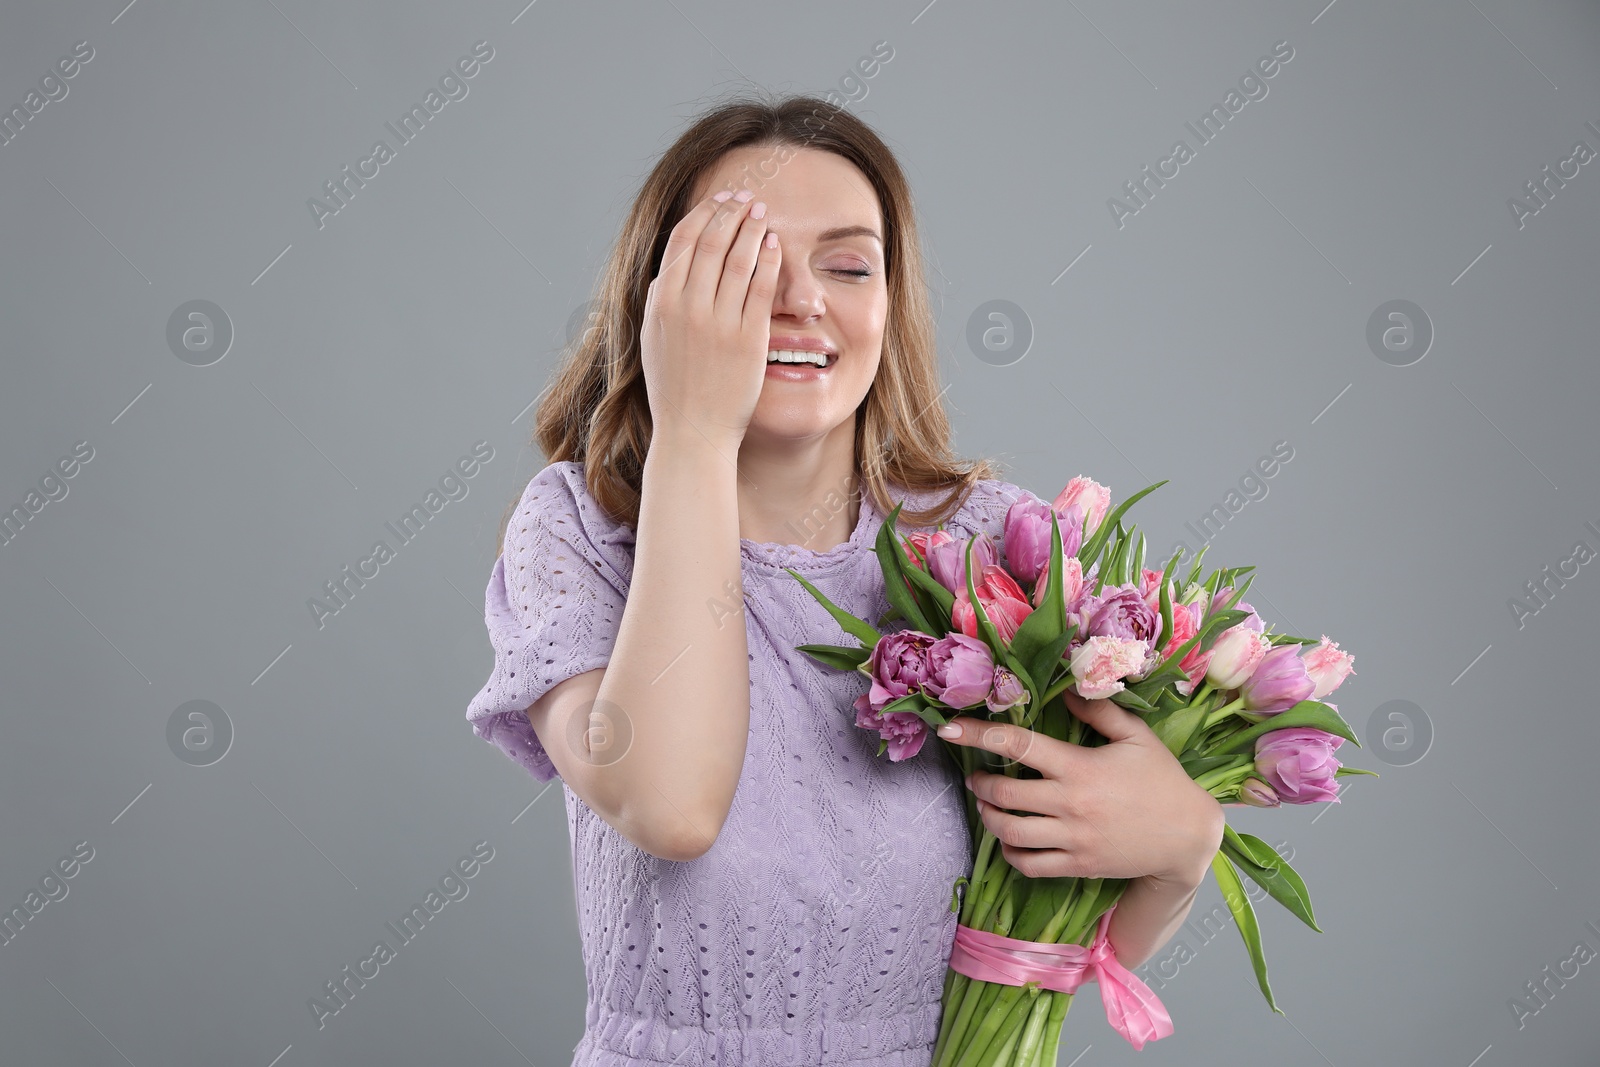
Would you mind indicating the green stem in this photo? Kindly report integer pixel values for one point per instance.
(1007, 1014)
(955, 987)
(1224, 775)
(1052, 1029)
(1221, 713)
(1033, 1032)
(980, 869)
(1004, 1057)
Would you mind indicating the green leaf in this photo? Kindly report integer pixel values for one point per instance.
(1261, 862)
(1176, 729)
(1343, 771)
(1285, 639)
(1212, 628)
(1045, 623)
(1244, 917)
(1197, 765)
(917, 704)
(1166, 616)
(1091, 549)
(1311, 713)
(839, 657)
(1049, 657)
(1127, 698)
(942, 599)
(986, 630)
(857, 628)
(892, 560)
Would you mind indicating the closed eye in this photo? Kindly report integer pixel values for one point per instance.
(853, 273)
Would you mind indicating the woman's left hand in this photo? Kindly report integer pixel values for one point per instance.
(1125, 809)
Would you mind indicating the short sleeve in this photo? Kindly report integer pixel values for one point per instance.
(552, 607)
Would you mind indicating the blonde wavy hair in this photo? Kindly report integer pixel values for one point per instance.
(597, 411)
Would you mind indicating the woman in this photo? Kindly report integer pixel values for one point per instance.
(754, 886)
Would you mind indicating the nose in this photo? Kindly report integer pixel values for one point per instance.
(799, 293)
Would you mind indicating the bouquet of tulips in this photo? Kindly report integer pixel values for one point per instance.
(1239, 706)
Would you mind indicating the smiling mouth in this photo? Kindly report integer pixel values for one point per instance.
(795, 358)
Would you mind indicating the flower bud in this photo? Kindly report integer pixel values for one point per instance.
(1008, 691)
(1258, 794)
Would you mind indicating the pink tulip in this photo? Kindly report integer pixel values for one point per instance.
(1003, 600)
(1101, 663)
(923, 543)
(1088, 496)
(1235, 656)
(1150, 588)
(1185, 624)
(1072, 583)
(1328, 667)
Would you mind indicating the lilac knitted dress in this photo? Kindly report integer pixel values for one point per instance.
(817, 927)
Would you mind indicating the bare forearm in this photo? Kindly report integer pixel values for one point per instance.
(679, 671)
(1148, 914)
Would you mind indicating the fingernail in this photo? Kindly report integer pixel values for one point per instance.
(743, 195)
(758, 209)
(720, 197)
(950, 729)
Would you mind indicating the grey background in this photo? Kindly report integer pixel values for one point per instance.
(368, 355)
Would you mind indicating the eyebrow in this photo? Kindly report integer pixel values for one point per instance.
(839, 232)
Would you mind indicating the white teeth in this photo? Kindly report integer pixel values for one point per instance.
(819, 359)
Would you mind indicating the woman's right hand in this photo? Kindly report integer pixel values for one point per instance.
(707, 316)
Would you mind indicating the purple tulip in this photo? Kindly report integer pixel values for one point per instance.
(961, 670)
(947, 562)
(899, 664)
(1299, 764)
(1008, 692)
(1121, 611)
(905, 731)
(1278, 683)
(1027, 536)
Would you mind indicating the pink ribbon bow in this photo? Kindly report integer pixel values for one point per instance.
(1132, 1007)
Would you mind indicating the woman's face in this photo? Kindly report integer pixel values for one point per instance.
(815, 199)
